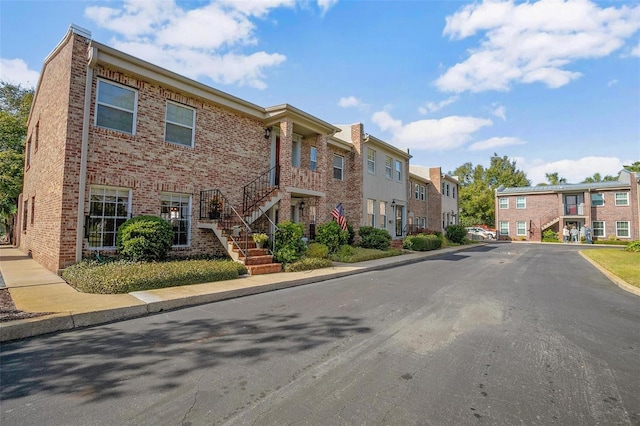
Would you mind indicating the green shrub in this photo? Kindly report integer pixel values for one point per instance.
(422, 242)
(374, 238)
(633, 246)
(318, 251)
(288, 246)
(144, 238)
(126, 276)
(352, 234)
(611, 242)
(343, 254)
(331, 235)
(456, 233)
(307, 264)
(550, 236)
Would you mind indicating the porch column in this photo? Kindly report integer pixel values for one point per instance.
(286, 151)
(324, 167)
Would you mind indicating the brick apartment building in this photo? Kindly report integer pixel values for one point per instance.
(111, 136)
(441, 197)
(610, 208)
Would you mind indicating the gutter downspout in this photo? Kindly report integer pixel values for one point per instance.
(91, 61)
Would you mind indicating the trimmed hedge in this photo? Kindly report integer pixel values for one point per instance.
(125, 276)
(422, 242)
(144, 238)
(317, 250)
(307, 264)
(374, 238)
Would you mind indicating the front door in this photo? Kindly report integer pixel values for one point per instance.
(399, 222)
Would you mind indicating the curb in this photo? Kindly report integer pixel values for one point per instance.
(46, 324)
(614, 278)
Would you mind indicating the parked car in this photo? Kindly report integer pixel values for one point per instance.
(490, 235)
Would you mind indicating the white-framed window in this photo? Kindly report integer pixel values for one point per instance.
(176, 209)
(371, 161)
(383, 214)
(597, 199)
(371, 217)
(296, 150)
(417, 191)
(622, 198)
(622, 229)
(447, 190)
(598, 228)
(503, 202)
(388, 164)
(180, 124)
(398, 171)
(521, 228)
(424, 222)
(109, 207)
(453, 191)
(521, 202)
(313, 159)
(116, 107)
(504, 228)
(423, 191)
(338, 167)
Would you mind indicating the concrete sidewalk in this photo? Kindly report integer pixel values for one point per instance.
(36, 289)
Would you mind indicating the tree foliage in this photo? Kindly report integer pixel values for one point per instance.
(598, 178)
(15, 103)
(635, 167)
(553, 179)
(477, 186)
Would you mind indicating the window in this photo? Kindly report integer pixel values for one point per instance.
(295, 152)
(116, 107)
(504, 228)
(371, 217)
(424, 222)
(371, 161)
(598, 228)
(423, 190)
(28, 153)
(313, 158)
(503, 203)
(108, 209)
(521, 202)
(444, 225)
(597, 200)
(447, 190)
(176, 209)
(179, 124)
(388, 161)
(37, 138)
(453, 191)
(622, 198)
(417, 191)
(338, 166)
(25, 214)
(383, 214)
(33, 209)
(398, 171)
(622, 229)
(521, 228)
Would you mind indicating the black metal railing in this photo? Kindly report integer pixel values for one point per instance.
(215, 206)
(256, 191)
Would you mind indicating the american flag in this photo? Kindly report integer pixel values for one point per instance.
(338, 213)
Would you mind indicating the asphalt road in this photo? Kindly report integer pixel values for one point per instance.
(504, 334)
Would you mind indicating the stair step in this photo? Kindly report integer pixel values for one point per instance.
(269, 268)
(397, 244)
(257, 260)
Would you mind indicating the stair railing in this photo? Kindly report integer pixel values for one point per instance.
(215, 206)
(256, 191)
(271, 231)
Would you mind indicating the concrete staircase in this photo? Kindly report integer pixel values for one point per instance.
(397, 244)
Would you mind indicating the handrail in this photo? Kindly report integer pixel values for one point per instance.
(260, 188)
(273, 226)
(214, 205)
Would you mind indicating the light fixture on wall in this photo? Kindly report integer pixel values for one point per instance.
(301, 206)
(267, 132)
(393, 204)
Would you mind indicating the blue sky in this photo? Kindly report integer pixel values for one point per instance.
(553, 85)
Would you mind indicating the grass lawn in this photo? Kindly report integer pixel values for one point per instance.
(624, 264)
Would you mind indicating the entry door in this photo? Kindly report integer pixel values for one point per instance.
(399, 222)
(275, 157)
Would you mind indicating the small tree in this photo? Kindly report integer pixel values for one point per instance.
(456, 233)
(144, 238)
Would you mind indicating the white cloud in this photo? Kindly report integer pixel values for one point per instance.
(436, 106)
(635, 51)
(16, 71)
(612, 83)
(574, 171)
(437, 135)
(325, 5)
(207, 41)
(349, 101)
(533, 42)
(495, 143)
(499, 111)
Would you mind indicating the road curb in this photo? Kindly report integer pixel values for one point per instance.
(47, 324)
(614, 278)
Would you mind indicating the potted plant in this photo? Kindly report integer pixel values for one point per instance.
(215, 208)
(260, 238)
